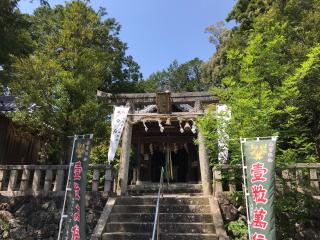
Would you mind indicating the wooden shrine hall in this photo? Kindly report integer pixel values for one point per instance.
(160, 131)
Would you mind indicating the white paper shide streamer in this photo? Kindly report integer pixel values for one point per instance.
(118, 120)
(224, 115)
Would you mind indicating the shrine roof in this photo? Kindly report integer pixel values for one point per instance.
(150, 98)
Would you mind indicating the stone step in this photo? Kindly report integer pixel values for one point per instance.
(174, 208)
(168, 227)
(152, 200)
(164, 236)
(139, 192)
(171, 188)
(164, 217)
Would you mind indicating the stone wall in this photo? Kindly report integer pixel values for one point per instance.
(33, 218)
(297, 215)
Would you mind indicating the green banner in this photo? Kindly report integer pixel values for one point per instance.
(259, 160)
(76, 223)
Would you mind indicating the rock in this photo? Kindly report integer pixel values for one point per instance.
(6, 215)
(90, 218)
(24, 210)
(310, 234)
(4, 206)
(33, 218)
(52, 206)
(18, 233)
(45, 206)
(230, 212)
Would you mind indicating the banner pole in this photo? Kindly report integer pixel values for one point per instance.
(67, 189)
(245, 185)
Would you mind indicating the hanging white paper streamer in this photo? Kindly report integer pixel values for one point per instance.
(224, 115)
(119, 118)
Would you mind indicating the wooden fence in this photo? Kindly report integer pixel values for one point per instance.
(49, 179)
(302, 177)
(16, 146)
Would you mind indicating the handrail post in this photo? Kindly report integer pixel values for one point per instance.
(158, 227)
(156, 224)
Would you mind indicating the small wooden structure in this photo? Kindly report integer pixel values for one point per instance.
(158, 123)
(16, 146)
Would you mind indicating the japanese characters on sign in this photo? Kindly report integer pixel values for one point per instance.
(118, 121)
(78, 178)
(260, 181)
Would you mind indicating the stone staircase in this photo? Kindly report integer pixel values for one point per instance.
(182, 216)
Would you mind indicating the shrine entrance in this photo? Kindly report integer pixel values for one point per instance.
(150, 150)
(161, 131)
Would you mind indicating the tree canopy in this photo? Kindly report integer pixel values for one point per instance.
(176, 78)
(267, 71)
(75, 52)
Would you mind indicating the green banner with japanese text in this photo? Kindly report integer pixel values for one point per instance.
(259, 161)
(76, 222)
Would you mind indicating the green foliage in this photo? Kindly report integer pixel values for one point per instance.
(267, 71)
(75, 53)
(293, 208)
(208, 125)
(176, 78)
(238, 230)
(237, 198)
(218, 33)
(4, 229)
(14, 37)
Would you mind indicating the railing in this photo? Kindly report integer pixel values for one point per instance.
(302, 177)
(156, 224)
(49, 179)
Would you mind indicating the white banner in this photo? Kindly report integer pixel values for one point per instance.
(224, 115)
(118, 120)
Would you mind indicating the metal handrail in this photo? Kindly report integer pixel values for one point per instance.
(156, 224)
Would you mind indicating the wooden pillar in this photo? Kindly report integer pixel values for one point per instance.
(125, 157)
(203, 159)
(138, 161)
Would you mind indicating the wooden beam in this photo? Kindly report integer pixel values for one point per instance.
(138, 117)
(171, 139)
(150, 98)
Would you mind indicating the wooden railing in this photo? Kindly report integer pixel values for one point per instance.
(49, 179)
(302, 177)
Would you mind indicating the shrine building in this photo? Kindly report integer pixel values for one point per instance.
(160, 131)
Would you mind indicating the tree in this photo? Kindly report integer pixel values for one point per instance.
(218, 33)
(14, 37)
(176, 78)
(267, 71)
(76, 53)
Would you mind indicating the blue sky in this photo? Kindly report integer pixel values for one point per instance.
(159, 31)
